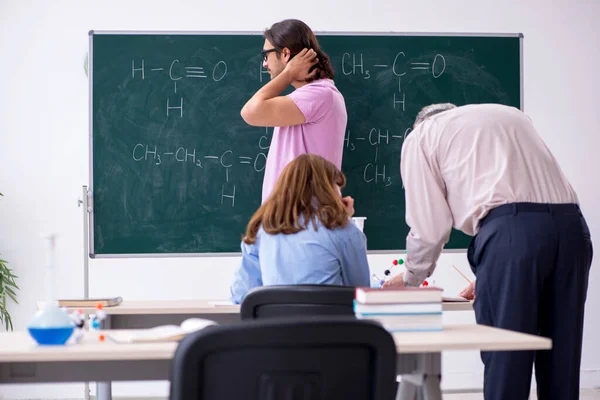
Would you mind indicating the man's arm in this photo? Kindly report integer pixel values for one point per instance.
(267, 108)
(427, 212)
(248, 274)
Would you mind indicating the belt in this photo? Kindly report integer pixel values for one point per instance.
(516, 208)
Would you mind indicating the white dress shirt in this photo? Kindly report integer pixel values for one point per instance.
(459, 164)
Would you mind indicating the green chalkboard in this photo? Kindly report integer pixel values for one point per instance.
(175, 170)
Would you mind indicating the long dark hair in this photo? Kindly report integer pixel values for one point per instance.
(296, 35)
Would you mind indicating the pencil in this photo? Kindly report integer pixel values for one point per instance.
(461, 274)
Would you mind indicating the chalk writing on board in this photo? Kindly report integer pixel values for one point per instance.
(177, 72)
(152, 154)
(402, 137)
(179, 107)
(263, 146)
(262, 71)
(173, 78)
(228, 196)
(219, 71)
(437, 66)
(374, 172)
(442, 67)
(195, 72)
(354, 64)
(134, 69)
(224, 157)
(260, 162)
(141, 152)
(375, 136)
(400, 101)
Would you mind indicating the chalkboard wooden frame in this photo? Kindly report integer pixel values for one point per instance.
(90, 233)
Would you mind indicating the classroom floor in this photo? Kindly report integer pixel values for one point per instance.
(585, 394)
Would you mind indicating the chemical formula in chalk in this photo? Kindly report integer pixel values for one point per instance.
(152, 153)
(177, 72)
(354, 64)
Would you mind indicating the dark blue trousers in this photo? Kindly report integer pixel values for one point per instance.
(532, 264)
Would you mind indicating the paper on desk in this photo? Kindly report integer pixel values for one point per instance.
(222, 303)
(163, 333)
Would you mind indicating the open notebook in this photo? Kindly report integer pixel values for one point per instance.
(163, 333)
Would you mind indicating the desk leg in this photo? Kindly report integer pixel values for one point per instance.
(421, 376)
(406, 391)
(104, 389)
(431, 388)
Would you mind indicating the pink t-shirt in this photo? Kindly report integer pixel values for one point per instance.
(323, 132)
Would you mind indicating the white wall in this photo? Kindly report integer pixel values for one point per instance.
(44, 117)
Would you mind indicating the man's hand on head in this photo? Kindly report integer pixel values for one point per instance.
(299, 67)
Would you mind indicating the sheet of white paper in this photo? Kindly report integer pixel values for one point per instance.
(222, 303)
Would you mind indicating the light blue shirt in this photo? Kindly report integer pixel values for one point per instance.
(321, 256)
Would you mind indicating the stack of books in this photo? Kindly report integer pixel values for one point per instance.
(401, 310)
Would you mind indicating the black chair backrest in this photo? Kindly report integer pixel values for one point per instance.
(297, 300)
(337, 358)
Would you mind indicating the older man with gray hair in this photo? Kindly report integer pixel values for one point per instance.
(484, 170)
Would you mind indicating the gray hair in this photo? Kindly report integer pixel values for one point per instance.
(431, 110)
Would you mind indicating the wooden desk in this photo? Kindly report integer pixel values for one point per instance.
(200, 306)
(137, 314)
(20, 347)
(420, 354)
(457, 306)
(140, 314)
(166, 307)
(468, 337)
(22, 361)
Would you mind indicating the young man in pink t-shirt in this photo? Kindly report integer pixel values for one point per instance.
(312, 119)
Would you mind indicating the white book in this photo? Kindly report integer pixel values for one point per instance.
(405, 319)
(416, 322)
(402, 308)
(163, 333)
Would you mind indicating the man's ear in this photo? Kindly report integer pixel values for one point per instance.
(286, 55)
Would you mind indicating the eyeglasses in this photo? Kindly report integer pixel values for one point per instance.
(265, 53)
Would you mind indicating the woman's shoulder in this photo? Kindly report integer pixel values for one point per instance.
(348, 231)
(316, 228)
